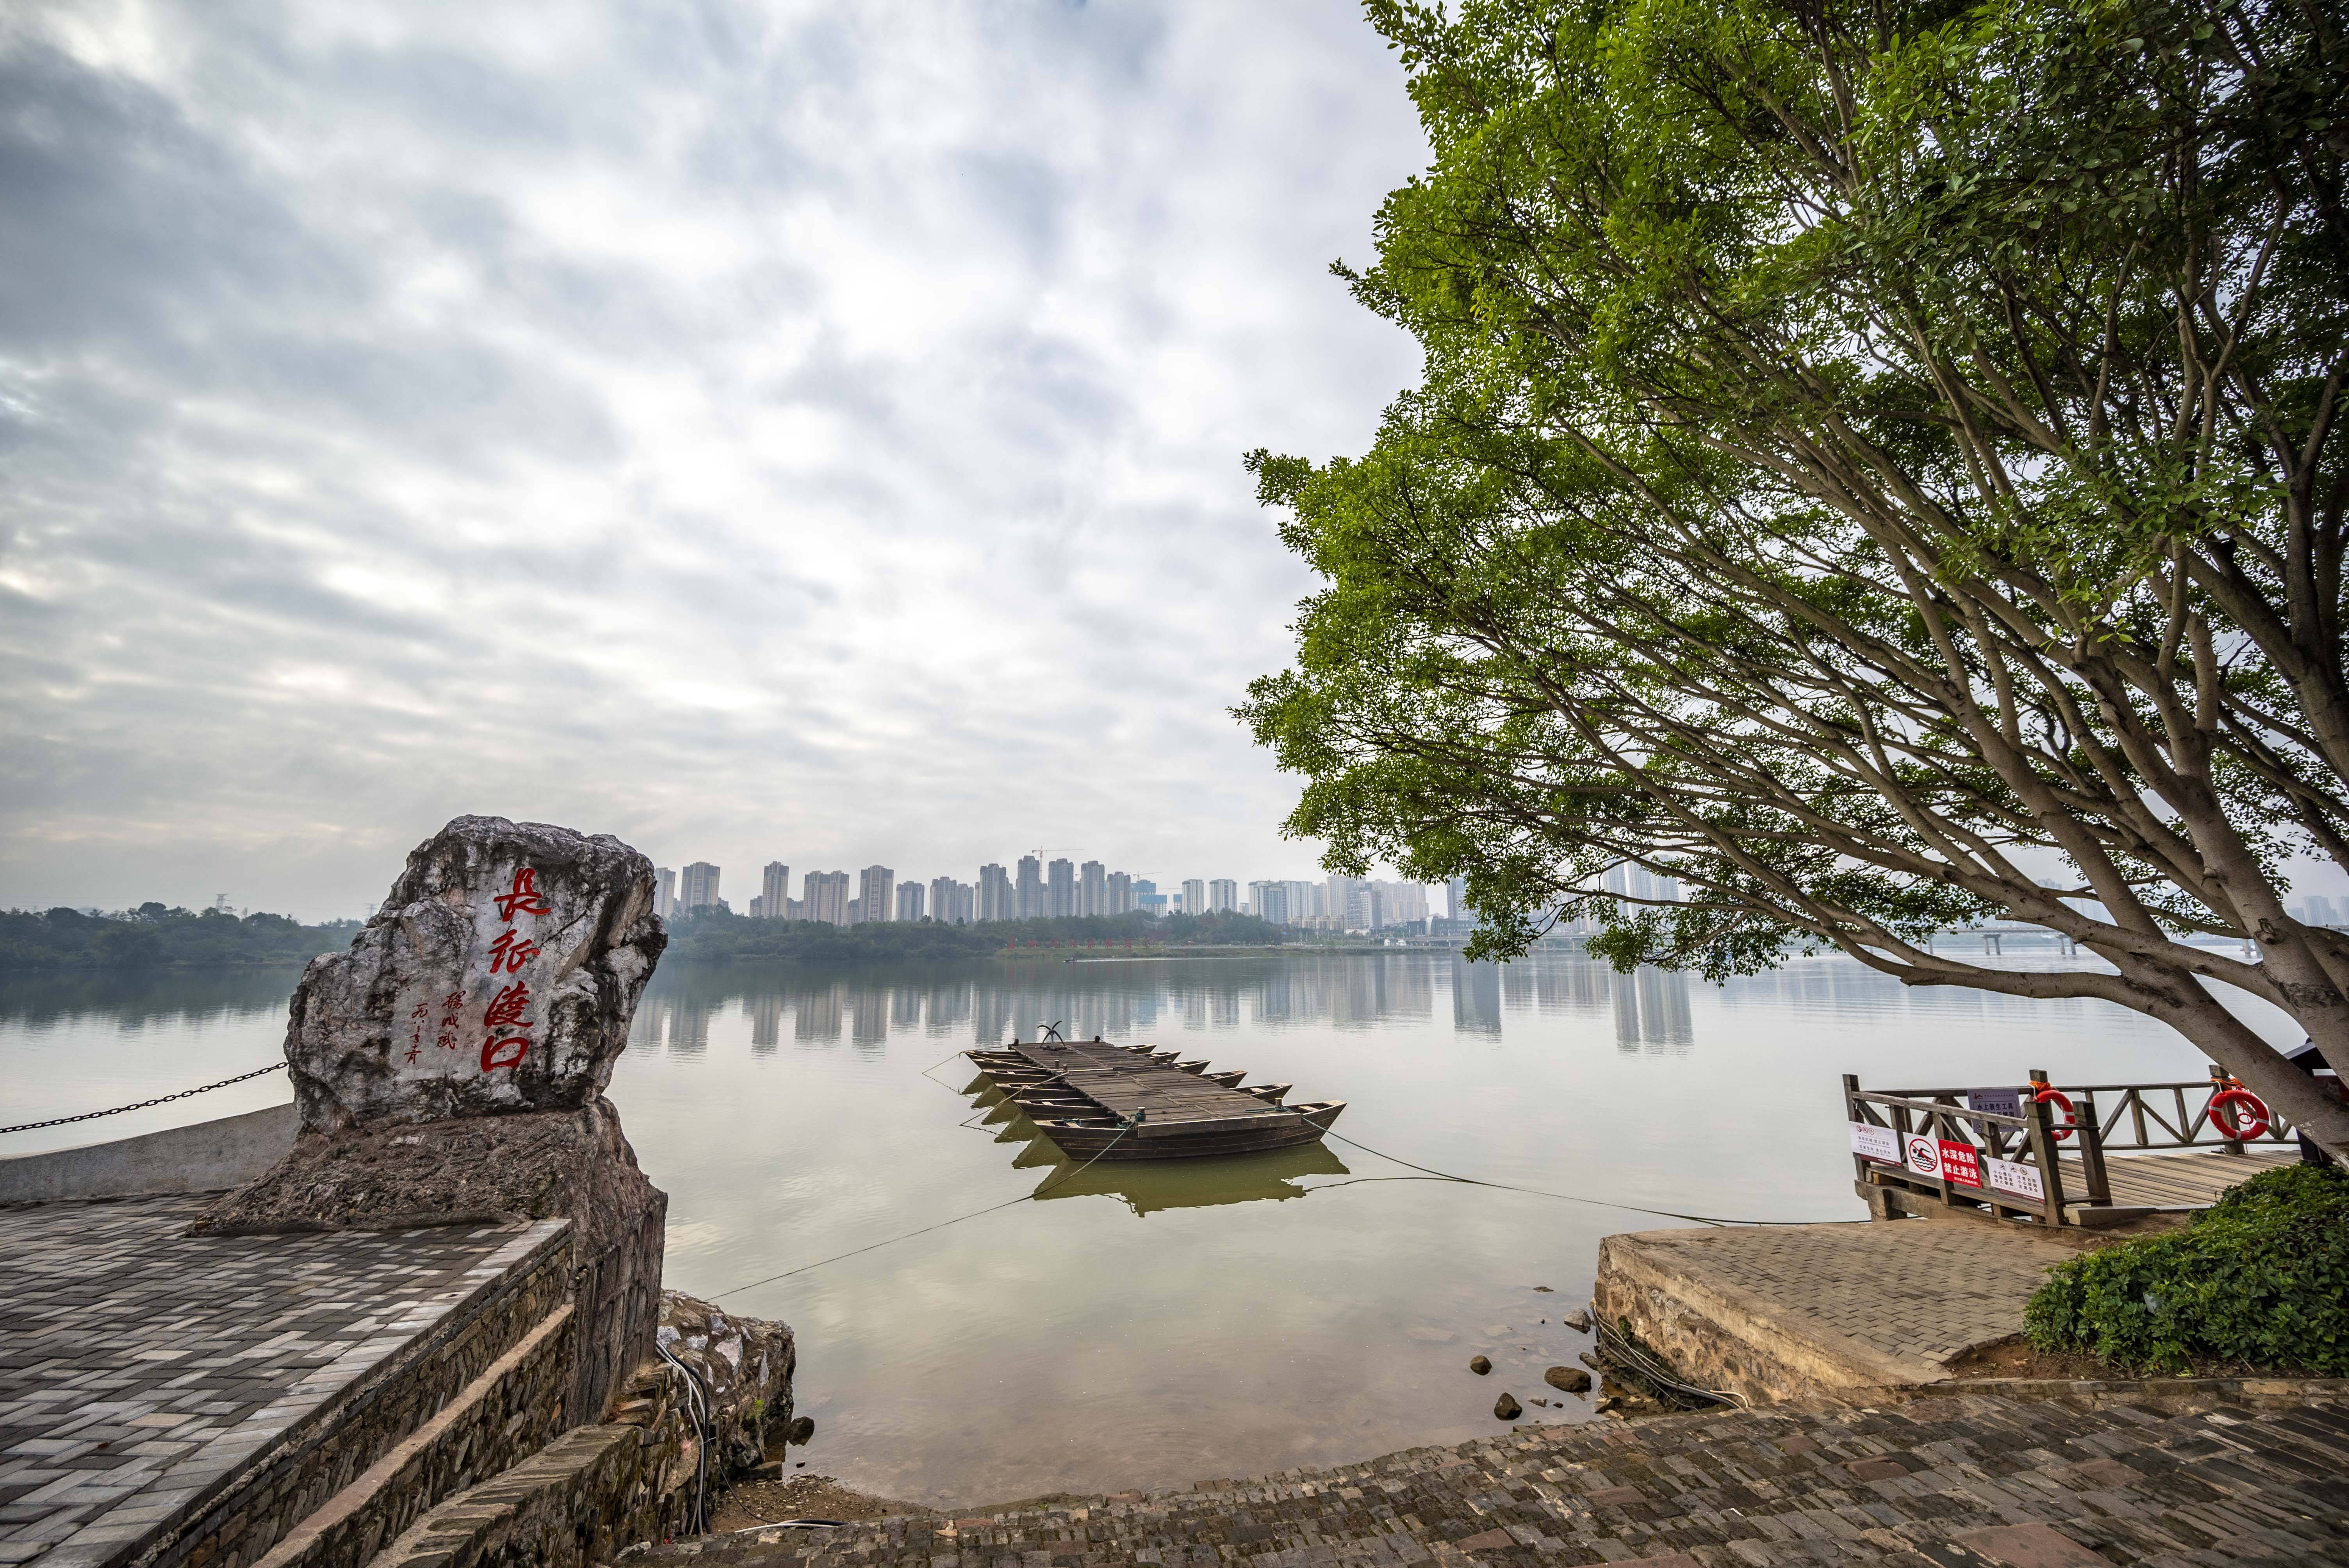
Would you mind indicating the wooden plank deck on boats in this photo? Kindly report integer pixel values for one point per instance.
(1124, 1082)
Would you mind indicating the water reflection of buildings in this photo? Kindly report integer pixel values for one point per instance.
(815, 1017)
(766, 1013)
(1475, 997)
(1121, 1001)
(1651, 1011)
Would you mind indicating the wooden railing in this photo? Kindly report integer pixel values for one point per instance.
(2012, 1163)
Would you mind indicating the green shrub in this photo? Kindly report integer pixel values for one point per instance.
(2261, 1277)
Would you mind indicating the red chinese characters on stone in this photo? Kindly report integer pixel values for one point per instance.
(505, 1041)
(505, 1012)
(523, 897)
(506, 1007)
(510, 952)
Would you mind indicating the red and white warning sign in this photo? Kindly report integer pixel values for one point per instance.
(1961, 1162)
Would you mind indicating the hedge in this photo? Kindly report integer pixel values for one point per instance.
(2260, 1278)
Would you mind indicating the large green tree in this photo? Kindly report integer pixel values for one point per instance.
(1878, 464)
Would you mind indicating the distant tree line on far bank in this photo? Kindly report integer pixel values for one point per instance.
(721, 934)
(154, 936)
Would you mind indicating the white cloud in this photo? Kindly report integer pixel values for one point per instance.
(761, 432)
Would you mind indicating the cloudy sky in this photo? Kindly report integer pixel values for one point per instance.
(800, 432)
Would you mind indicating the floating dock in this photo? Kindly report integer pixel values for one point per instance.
(1098, 1100)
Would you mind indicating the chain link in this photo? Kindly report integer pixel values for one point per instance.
(164, 1100)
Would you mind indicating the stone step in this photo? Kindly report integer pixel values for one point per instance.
(513, 1409)
(579, 1501)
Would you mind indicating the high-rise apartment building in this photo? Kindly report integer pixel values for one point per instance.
(996, 899)
(1119, 892)
(1060, 889)
(1093, 888)
(826, 897)
(664, 894)
(855, 912)
(875, 886)
(1147, 898)
(1455, 900)
(1194, 895)
(700, 890)
(774, 891)
(1222, 893)
(1031, 902)
(909, 901)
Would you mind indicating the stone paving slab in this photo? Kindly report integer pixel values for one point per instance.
(1916, 1291)
(141, 1369)
(1951, 1482)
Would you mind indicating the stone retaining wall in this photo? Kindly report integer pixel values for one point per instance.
(504, 1416)
(316, 1460)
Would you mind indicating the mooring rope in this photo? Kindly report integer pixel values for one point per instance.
(942, 1224)
(1566, 1197)
(159, 1100)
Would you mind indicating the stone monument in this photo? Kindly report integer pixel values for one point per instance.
(449, 1068)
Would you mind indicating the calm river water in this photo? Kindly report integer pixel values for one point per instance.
(1151, 1325)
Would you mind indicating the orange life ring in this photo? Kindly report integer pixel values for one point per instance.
(2255, 1115)
(2057, 1096)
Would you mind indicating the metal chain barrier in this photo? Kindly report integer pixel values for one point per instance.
(160, 1100)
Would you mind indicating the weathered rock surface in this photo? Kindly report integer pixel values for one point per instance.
(499, 977)
(1578, 1320)
(1573, 1379)
(1479, 1365)
(745, 1365)
(1507, 1408)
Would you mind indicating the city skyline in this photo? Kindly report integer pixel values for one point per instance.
(1051, 889)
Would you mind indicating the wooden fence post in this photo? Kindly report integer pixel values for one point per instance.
(2092, 1151)
(2043, 1151)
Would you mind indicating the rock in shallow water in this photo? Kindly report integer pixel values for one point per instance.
(1507, 1408)
(1573, 1379)
(1578, 1320)
(1479, 1365)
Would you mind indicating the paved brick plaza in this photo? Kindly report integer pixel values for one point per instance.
(140, 1369)
(1943, 1480)
(1919, 1291)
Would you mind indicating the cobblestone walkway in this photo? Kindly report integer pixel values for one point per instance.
(140, 1370)
(1925, 1290)
(1953, 1482)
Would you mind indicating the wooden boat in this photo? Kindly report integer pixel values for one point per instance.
(1094, 1099)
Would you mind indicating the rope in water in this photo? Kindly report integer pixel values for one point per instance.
(942, 1224)
(1565, 1197)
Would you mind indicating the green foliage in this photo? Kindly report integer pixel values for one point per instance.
(2259, 1279)
(1877, 464)
(154, 936)
(723, 937)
